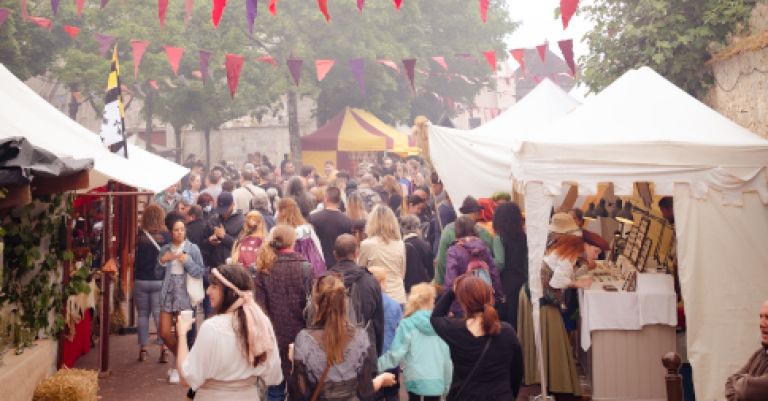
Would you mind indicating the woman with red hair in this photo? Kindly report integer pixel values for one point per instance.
(486, 354)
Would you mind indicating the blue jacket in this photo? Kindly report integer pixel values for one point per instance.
(193, 266)
(428, 366)
(393, 312)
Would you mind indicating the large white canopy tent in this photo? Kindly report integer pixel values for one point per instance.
(642, 128)
(476, 162)
(24, 113)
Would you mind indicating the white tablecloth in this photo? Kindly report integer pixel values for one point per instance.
(653, 303)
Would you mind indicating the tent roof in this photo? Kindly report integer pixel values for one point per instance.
(24, 113)
(644, 128)
(485, 151)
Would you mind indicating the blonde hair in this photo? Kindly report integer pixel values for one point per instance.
(288, 212)
(260, 232)
(383, 223)
(422, 295)
(330, 298)
(281, 237)
(379, 272)
(355, 206)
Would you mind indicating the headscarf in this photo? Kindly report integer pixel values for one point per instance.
(261, 336)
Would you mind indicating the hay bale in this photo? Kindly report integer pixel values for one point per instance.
(69, 385)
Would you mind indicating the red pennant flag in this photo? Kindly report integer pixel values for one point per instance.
(139, 47)
(542, 49)
(162, 6)
(294, 66)
(538, 79)
(490, 57)
(360, 5)
(441, 60)
(322, 67)
(566, 47)
(24, 13)
(323, 4)
(104, 3)
(567, 9)
(410, 68)
(273, 7)
(218, 9)
(233, 65)
(268, 60)
(154, 85)
(72, 31)
(398, 3)
(42, 22)
(519, 56)
(389, 63)
(188, 6)
(174, 55)
(484, 10)
(80, 4)
(4, 12)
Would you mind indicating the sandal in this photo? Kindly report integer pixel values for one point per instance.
(164, 355)
(142, 355)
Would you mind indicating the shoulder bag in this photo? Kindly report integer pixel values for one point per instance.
(319, 386)
(474, 369)
(195, 289)
(159, 269)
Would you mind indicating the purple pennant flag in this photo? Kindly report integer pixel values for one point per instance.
(294, 66)
(251, 13)
(4, 12)
(410, 67)
(55, 6)
(358, 70)
(205, 57)
(104, 3)
(105, 42)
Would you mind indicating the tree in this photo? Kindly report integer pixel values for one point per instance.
(674, 37)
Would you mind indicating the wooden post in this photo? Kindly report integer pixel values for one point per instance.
(107, 270)
(68, 265)
(674, 380)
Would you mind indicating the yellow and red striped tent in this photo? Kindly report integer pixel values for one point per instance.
(353, 131)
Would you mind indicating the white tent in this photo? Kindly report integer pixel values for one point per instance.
(476, 162)
(642, 128)
(24, 113)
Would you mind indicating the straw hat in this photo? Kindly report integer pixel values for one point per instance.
(562, 223)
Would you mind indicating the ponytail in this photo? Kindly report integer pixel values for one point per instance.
(476, 298)
(491, 324)
(281, 237)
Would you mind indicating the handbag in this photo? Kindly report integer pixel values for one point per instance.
(195, 289)
(474, 369)
(159, 269)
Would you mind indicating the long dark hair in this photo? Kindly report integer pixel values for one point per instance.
(476, 296)
(240, 278)
(508, 224)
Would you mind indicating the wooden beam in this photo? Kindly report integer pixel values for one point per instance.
(56, 185)
(19, 195)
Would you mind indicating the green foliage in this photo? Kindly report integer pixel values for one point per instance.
(674, 37)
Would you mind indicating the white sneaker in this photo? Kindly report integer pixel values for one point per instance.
(173, 376)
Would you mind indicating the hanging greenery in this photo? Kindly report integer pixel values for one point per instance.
(34, 252)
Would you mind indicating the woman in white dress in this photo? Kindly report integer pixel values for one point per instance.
(385, 247)
(235, 349)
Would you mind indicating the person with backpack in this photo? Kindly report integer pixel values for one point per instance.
(418, 253)
(470, 256)
(246, 192)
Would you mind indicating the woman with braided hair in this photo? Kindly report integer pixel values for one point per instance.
(235, 349)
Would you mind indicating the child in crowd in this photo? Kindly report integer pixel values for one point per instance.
(393, 312)
(428, 366)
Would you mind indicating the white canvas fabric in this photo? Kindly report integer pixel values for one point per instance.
(24, 113)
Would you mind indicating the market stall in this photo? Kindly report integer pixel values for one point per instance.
(643, 129)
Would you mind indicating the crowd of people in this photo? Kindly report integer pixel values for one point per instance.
(337, 286)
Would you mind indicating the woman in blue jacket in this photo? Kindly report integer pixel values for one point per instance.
(428, 367)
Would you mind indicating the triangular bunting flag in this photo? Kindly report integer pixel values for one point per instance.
(441, 60)
(519, 56)
(174, 55)
(566, 47)
(484, 10)
(4, 13)
(567, 9)
(104, 3)
(490, 57)
(358, 71)
(410, 69)
(294, 66)
(398, 3)
(72, 31)
(79, 5)
(389, 63)
(322, 67)
(251, 9)
(55, 7)
(268, 60)
(542, 49)
(154, 84)
(218, 10)
(273, 7)
(467, 57)
(42, 22)
(233, 64)
(139, 47)
(162, 6)
(360, 5)
(205, 57)
(105, 42)
(24, 12)
(188, 6)
(323, 5)
(113, 120)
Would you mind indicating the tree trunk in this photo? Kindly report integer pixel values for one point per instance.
(148, 109)
(293, 129)
(177, 134)
(74, 106)
(207, 134)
